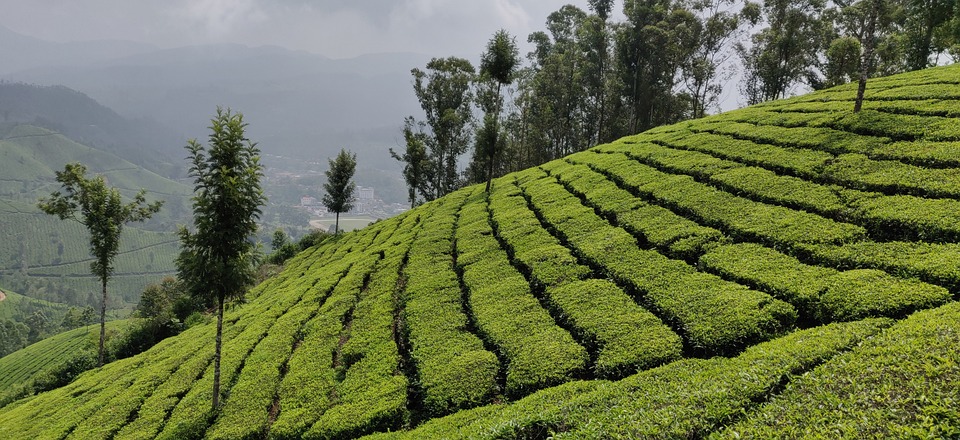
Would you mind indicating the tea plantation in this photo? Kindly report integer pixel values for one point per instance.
(785, 270)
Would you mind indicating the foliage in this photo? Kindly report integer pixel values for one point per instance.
(100, 209)
(888, 398)
(443, 91)
(339, 188)
(590, 297)
(215, 263)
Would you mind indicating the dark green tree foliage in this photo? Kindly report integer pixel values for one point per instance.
(418, 169)
(785, 52)
(716, 29)
(557, 98)
(932, 26)
(498, 65)
(444, 94)
(101, 210)
(651, 47)
(843, 61)
(76, 317)
(216, 260)
(279, 239)
(338, 191)
(13, 336)
(595, 39)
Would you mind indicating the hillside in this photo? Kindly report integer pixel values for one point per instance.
(80, 118)
(22, 366)
(786, 270)
(44, 257)
(15, 307)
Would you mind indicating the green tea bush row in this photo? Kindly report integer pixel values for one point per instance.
(453, 368)
(892, 177)
(625, 336)
(886, 217)
(244, 415)
(753, 182)
(903, 383)
(714, 315)
(307, 389)
(108, 419)
(741, 218)
(660, 227)
(790, 161)
(538, 353)
(193, 414)
(823, 294)
(812, 138)
(921, 153)
(373, 393)
(683, 399)
(931, 262)
(899, 127)
(91, 403)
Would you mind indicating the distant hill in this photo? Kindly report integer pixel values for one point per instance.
(788, 270)
(298, 104)
(77, 116)
(16, 307)
(20, 52)
(47, 258)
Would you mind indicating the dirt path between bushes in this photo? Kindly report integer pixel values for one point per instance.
(2, 296)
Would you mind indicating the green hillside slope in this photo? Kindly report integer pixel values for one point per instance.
(785, 270)
(44, 257)
(16, 307)
(23, 365)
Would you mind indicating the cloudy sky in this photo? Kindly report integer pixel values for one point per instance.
(335, 28)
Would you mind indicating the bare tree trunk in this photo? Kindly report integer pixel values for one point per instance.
(336, 226)
(867, 63)
(103, 321)
(216, 359)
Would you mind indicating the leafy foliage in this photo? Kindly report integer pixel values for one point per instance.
(710, 278)
(339, 188)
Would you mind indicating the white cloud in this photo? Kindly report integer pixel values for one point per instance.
(221, 18)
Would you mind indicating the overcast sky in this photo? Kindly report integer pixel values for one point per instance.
(335, 28)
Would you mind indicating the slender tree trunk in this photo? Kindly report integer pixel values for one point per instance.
(867, 63)
(216, 359)
(103, 320)
(336, 226)
(490, 163)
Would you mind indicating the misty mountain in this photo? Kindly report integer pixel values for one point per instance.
(74, 114)
(20, 52)
(298, 104)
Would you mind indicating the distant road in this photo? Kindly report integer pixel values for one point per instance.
(346, 223)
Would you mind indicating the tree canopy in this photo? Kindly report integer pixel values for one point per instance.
(216, 258)
(338, 191)
(100, 209)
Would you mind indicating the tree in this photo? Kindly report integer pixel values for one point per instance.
(216, 261)
(497, 64)
(928, 32)
(786, 51)
(101, 210)
(13, 336)
(713, 35)
(444, 94)
(339, 187)
(418, 169)
(279, 239)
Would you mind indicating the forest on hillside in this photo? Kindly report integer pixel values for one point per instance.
(591, 78)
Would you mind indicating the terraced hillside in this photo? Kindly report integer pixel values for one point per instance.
(41, 252)
(787, 270)
(21, 366)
